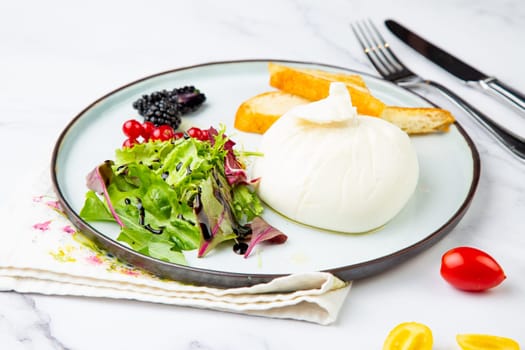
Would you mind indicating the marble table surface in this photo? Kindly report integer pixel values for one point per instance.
(56, 57)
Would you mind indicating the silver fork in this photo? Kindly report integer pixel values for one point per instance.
(391, 68)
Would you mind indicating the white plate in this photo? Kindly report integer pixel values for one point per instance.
(449, 172)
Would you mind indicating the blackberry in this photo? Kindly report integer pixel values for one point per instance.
(167, 107)
(143, 103)
(162, 112)
(188, 98)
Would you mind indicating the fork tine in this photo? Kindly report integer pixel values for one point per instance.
(379, 46)
(369, 50)
(383, 44)
(378, 51)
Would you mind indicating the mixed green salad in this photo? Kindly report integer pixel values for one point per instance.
(179, 194)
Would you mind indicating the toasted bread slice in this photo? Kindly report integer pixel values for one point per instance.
(418, 120)
(259, 112)
(315, 85)
(350, 79)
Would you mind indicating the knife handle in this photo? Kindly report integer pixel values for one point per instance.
(504, 91)
(512, 142)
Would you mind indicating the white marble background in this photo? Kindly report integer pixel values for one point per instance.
(56, 57)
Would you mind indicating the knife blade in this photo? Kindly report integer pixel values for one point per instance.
(457, 67)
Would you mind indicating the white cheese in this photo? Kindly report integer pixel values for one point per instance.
(337, 107)
(325, 166)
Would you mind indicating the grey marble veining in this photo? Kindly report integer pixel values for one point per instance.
(24, 326)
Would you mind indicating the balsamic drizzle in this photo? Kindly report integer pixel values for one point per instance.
(154, 231)
(202, 219)
(142, 212)
(142, 217)
(240, 248)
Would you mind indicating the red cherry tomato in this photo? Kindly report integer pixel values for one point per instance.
(162, 133)
(130, 143)
(471, 269)
(147, 129)
(132, 129)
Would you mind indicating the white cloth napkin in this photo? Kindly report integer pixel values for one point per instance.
(41, 252)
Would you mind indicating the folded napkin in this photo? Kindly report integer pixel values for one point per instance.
(41, 252)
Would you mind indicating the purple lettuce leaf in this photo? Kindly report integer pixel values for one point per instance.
(98, 180)
(261, 232)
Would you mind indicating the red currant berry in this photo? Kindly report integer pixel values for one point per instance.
(129, 143)
(178, 135)
(132, 129)
(162, 133)
(198, 134)
(147, 129)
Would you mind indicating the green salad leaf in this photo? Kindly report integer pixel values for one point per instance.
(173, 196)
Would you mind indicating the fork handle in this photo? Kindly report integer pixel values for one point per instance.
(514, 143)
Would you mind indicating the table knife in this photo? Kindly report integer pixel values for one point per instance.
(457, 67)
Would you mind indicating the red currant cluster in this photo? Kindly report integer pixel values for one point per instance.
(147, 131)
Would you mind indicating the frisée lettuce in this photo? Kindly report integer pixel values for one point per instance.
(174, 196)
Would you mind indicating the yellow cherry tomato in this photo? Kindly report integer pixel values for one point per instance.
(409, 336)
(485, 342)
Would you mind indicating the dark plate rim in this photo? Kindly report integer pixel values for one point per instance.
(223, 279)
